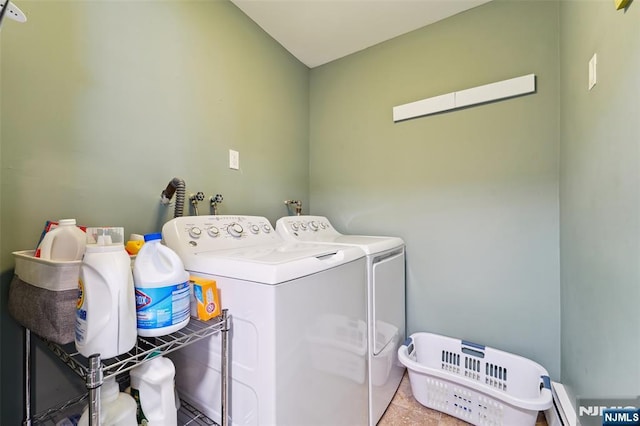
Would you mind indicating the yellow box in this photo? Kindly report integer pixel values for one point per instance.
(205, 301)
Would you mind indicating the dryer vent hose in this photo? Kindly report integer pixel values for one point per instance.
(176, 186)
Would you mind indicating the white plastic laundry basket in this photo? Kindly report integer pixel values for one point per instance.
(475, 383)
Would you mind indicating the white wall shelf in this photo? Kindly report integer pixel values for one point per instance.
(465, 98)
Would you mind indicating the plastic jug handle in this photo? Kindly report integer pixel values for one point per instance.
(44, 249)
(171, 258)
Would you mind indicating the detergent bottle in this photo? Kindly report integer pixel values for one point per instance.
(117, 408)
(153, 389)
(106, 312)
(66, 242)
(162, 289)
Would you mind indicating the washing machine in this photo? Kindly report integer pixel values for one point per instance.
(298, 323)
(385, 299)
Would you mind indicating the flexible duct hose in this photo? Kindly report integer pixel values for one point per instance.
(175, 186)
(3, 9)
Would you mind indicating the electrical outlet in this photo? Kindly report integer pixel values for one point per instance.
(234, 159)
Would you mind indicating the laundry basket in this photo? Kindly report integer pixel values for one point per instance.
(478, 384)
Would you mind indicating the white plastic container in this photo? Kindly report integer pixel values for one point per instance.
(65, 242)
(475, 383)
(106, 312)
(117, 408)
(152, 387)
(162, 289)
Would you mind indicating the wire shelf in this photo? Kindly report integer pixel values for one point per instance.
(188, 415)
(145, 349)
(142, 351)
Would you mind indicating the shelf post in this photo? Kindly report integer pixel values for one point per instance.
(27, 377)
(224, 369)
(94, 381)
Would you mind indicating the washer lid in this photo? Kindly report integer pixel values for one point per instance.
(368, 244)
(271, 263)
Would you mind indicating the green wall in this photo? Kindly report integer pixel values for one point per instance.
(474, 192)
(520, 216)
(600, 199)
(103, 103)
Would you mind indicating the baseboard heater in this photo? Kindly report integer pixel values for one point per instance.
(562, 412)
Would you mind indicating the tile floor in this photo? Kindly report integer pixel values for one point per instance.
(404, 410)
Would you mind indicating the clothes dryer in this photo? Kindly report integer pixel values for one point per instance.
(298, 315)
(385, 299)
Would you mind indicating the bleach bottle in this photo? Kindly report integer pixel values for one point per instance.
(162, 289)
(117, 408)
(106, 311)
(153, 389)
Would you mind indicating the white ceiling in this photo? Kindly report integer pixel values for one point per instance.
(320, 31)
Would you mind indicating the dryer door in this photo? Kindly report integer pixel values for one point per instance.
(388, 307)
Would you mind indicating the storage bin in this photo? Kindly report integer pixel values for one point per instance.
(477, 384)
(43, 296)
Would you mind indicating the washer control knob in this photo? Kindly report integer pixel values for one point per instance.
(313, 225)
(213, 231)
(235, 230)
(303, 226)
(255, 229)
(195, 232)
(323, 225)
(295, 226)
(266, 228)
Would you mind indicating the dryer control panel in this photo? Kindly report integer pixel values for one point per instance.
(194, 234)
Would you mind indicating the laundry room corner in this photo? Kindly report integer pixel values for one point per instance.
(466, 188)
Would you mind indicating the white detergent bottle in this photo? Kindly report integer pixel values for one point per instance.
(152, 387)
(106, 312)
(65, 242)
(117, 408)
(162, 289)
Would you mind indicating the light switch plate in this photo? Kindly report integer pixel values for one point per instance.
(593, 76)
(234, 159)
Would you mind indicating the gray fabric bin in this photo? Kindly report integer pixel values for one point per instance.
(43, 296)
